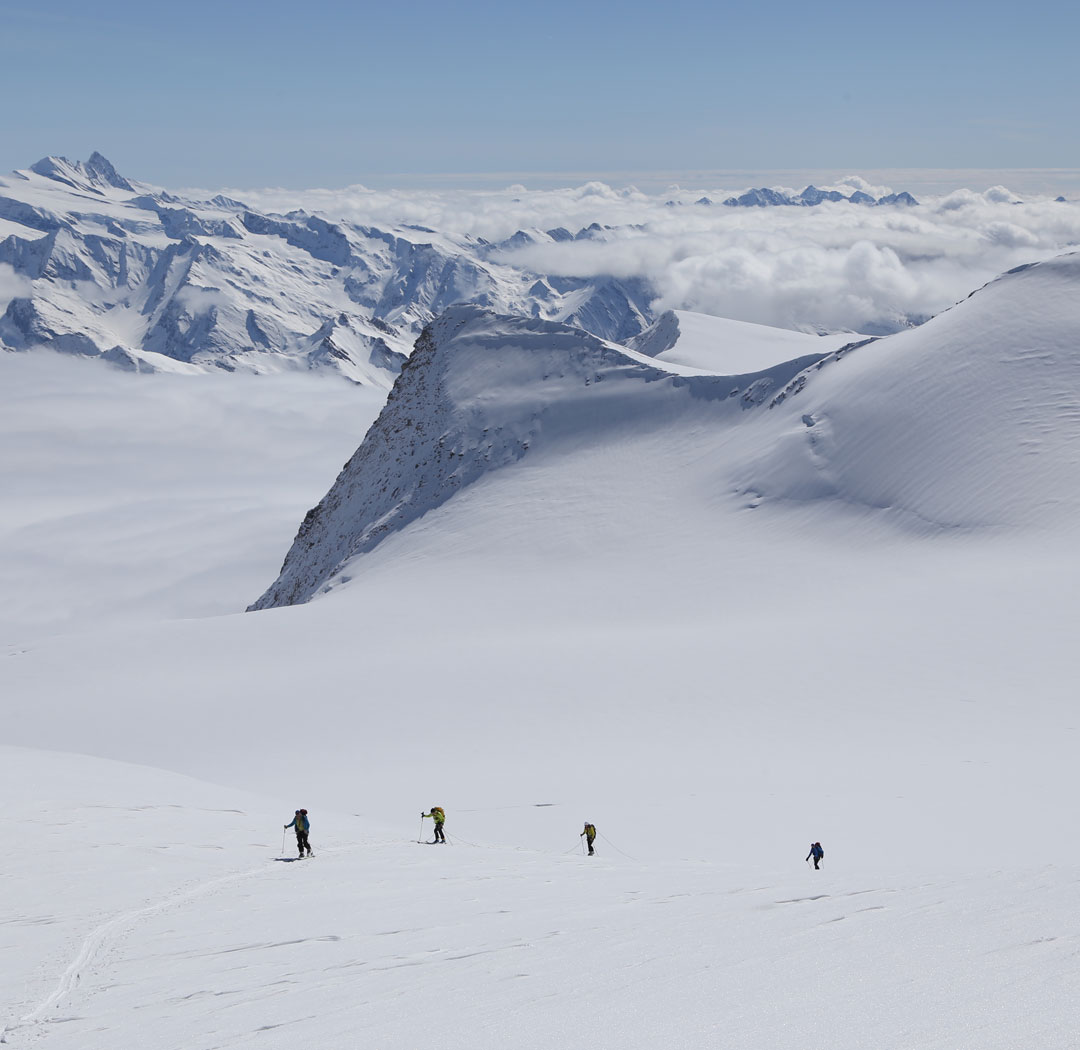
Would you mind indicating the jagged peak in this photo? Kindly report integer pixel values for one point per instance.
(59, 169)
(93, 174)
(661, 335)
(765, 197)
(101, 168)
(228, 203)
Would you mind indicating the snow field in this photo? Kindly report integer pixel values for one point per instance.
(128, 496)
(719, 344)
(182, 917)
(718, 637)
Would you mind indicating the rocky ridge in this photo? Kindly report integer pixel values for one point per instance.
(811, 197)
(478, 393)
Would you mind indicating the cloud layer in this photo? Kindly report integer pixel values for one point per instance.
(12, 285)
(835, 266)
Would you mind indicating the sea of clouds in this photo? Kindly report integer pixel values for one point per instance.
(831, 267)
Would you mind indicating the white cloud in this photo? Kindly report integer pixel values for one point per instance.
(849, 183)
(834, 266)
(198, 299)
(12, 286)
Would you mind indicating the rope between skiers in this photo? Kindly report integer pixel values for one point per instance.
(614, 847)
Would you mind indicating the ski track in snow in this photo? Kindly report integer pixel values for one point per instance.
(108, 936)
(529, 948)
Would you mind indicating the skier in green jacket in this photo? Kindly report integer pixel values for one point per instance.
(439, 817)
(590, 837)
(302, 825)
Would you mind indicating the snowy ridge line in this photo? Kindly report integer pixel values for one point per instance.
(479, 391)
(969, 422)
(1057, 268)
(799, 382)
(102, 938)
(811, 197)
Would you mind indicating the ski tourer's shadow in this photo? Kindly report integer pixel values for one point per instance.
(286, 860)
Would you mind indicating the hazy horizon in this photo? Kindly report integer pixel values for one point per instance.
(1050, 181)
(340, 93)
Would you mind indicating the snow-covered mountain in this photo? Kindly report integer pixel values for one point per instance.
(764, 197)
(109, 267)
(478, 392)
(482, 392)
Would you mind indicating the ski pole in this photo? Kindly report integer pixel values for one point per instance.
(283, 843)
(421, 838)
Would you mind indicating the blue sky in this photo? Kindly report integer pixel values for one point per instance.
(329, 93)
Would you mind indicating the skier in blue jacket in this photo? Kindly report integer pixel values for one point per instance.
(302, 825)
(817, 853)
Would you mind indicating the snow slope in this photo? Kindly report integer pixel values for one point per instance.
(972, 423)
(719, 344)
(844, 612)
(169, 921)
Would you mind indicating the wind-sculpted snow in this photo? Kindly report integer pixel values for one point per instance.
(970, 422)
(123, 271)
(479, 391)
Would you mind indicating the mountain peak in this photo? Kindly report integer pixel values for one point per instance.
(93, 174)
(100, 168)
(764, 197)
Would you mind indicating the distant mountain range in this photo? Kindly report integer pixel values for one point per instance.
(109, 267)
(810, 197)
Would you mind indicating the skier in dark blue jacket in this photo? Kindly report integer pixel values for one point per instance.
(302, 825)
(817, 853)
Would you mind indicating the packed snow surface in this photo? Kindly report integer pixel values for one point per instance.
(149, 910)
(838, 606)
